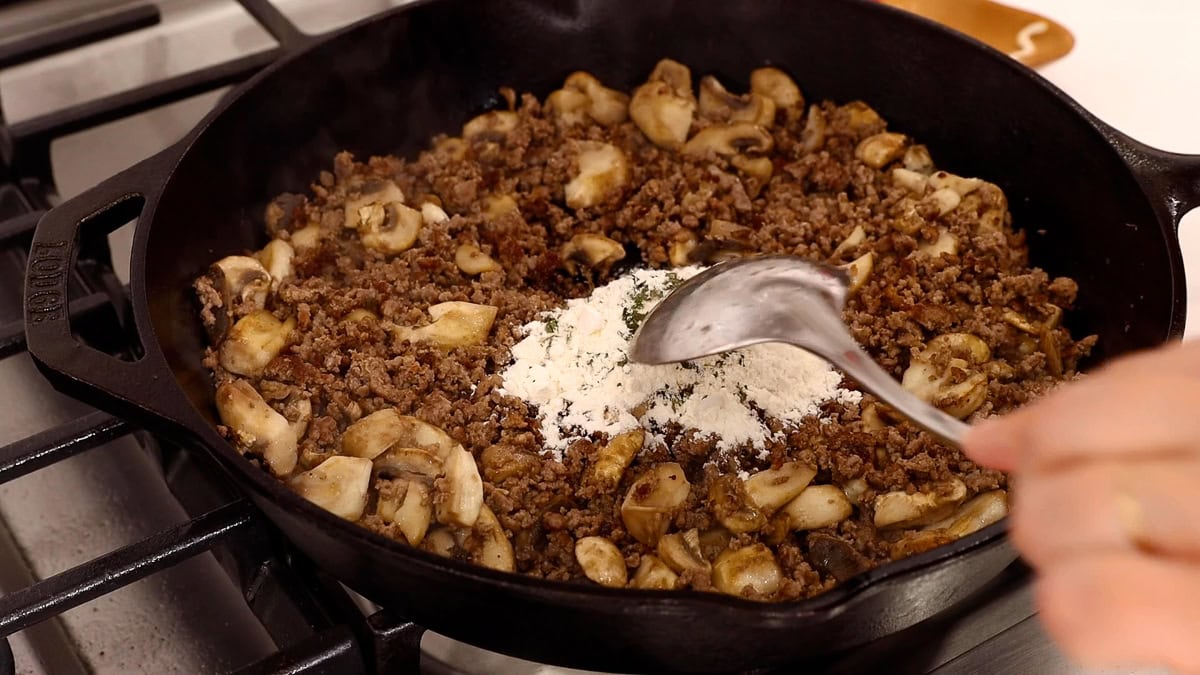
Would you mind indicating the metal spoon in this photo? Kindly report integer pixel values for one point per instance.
(775, 299)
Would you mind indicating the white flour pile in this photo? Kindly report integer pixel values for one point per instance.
(572, 365)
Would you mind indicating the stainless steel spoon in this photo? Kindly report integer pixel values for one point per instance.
(775, 299)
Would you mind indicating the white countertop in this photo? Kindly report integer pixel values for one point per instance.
(1136, 66)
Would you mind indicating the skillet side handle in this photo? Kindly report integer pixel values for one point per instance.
(128, 389)
(1170, 179)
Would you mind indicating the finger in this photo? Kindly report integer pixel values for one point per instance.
(1123, 609)
(1110, 505)
(1124, 413)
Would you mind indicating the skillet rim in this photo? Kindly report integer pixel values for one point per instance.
(829, 602)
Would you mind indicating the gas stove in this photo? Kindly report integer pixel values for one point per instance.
(121, 552)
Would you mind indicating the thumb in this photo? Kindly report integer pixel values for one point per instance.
(996, 443)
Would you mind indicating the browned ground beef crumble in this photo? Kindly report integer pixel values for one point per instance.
(818, 193)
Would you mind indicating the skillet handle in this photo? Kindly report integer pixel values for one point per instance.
(137, 389)
(1170, 179)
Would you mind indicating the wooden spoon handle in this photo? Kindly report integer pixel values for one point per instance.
(1030, 38)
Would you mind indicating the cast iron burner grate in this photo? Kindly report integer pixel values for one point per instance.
(313, 618)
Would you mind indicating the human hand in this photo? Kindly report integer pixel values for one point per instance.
(1106, 507)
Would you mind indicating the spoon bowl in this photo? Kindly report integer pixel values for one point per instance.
(775, 298)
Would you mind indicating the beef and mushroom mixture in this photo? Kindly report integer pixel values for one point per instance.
(434, 348)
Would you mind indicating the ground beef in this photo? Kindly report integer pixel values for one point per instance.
(345, 360)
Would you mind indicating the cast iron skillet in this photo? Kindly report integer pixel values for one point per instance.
(1098, 207)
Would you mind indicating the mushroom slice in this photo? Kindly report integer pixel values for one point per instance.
(949, 373)
(378, 193)
(653, 573)
(945, 243)
(414, 512)
(614, 457)
(500, 462)
(499, 206)
(495, 550)
(1021, 323)
(256, 426)
(855, 490)
(962, 186)
(818, 506)
(276, 257)
(682, 246)
(592, 250)
(440, 540)
(835, 556)
(812, 138)
(777, 86)
(852, 241)
(748, 571)
(860, 117)
(900, 510)
(983, 510)
(652, 501)
(758, 169)
(601, 561)
(732, 506)
(494, 126)
(606, 106)
(910, 180)
(681, 552)
(390, 228)
(664, 107)
(460, 491)
(370, 436)
(730, 139)
(946, 200)
(716, 103)
(917, 159)
(306, 238)
(432, 214)
(409, 464)
(338, 485)
(253, 341)
(297, 410)
(243, 283)
(473, 261)
(603, 172)
(860, 270)
(881, 149)
(455, 324)
(772, 488)
(569, 105)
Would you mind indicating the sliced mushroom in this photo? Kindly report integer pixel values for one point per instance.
(652, 501)
(591, 250)
(881, 149)
(601, 561)
(500, 462)
(730, 139)
(614, 457)
(1049, 346)
(389, 228)
(414, 512)
(378, 193)
(946, 200)
(682, 247)
(917, 159)
(460, 491)
(306, 238)
(855, 490)
(1021, 323)
(455, 324)
(654, 574)
(277, 256)
(776, 85)
(253, 341)
(860, 270)
(403, 463)
(835, 556)
(812, 138)
(732, 506)
(681, 552)
(569, 105)
(440, 540)
(494, 126)
(297, 410)
(769, 490)
(962, 186)
(945, 243)
(606, 106)
(499, 206)
(983, 510)
(900, 510)
(852, 241)
(243, 283)
(757, 169)
(860, 117)
(818, 506)
(717, 104)
(748, 571)
(664, 107)
(603, 173)
(256, 426)
(495, 550)
(473, 261)
(338, 485)
(432, 214)
(949, 373)
(452, 148)
(370, 436)
(910, 180)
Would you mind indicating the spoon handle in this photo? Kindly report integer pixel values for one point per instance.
(853, 361)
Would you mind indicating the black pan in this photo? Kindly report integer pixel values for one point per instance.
(1098, 207)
